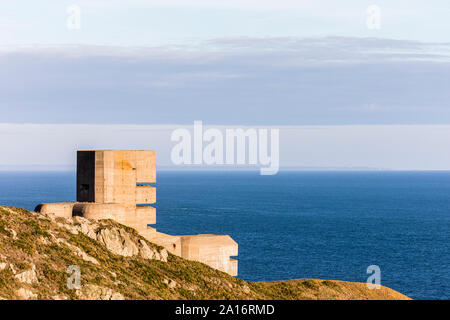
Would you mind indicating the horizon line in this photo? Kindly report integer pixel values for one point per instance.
(285, 169)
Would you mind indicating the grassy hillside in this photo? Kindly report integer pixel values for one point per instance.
(116, 263)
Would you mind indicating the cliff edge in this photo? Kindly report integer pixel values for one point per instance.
(45, 257)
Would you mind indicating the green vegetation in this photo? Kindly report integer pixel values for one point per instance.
(30, 240)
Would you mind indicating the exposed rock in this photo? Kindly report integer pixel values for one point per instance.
(49, 216)
(3, 265)
(164, 254)
(87, 257)
(93, 292)
(145, 251)
(118, 242)
(246, 289)
(11, 266)
(59, 297)
(13, 232)
(44, 240)
(170, 283)
(26, 294)
(78, 251)
(9, 210)
(191, 288)
(88, 229)
(86, 226)
(28, 276)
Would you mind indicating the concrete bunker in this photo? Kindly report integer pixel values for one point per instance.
(113, 184)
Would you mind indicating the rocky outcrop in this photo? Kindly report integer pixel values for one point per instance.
(117, 240)
(26, 294)
(28, 276)
(93, 292)
(45, 257)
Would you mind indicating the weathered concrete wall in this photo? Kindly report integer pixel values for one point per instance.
(145, 195)
(61, 209)
(108, 176)
(171, 243)
(213, 250)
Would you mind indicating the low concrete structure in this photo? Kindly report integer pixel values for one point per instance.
(113, 184)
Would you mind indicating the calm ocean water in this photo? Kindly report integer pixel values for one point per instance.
(329, 225)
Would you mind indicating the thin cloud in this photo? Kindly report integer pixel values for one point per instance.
(266, 81)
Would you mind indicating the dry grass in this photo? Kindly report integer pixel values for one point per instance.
(135, 277)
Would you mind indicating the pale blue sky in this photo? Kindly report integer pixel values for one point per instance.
(156, 22)
(237, 62)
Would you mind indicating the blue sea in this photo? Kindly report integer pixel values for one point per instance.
(329, 225)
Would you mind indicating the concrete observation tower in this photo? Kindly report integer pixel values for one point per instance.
(111, 185)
